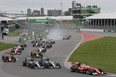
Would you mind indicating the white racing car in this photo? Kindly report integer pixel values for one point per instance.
(66, 37)
(44, 63)
(42, 50)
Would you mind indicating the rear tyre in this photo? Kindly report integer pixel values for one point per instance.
(22, 48)
(4, 60)
(89, 72)
(31, 66)
(25, 45)
(73, 69)
(31, 54)
(24, 64)
(2, 57)
(14, 60)
(58, 66)
(77, 70)
(33, 45)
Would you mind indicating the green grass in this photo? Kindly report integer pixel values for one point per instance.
(4, 46)
(100, 53)
(15, 32)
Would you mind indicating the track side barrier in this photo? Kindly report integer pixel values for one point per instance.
(92, 30)
(110, 30)
(30, 37)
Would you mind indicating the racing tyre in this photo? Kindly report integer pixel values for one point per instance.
(24, 64)
(25, 45)
(58, 66)
(53, 42)
(32, 67)
(33, 45)
(49, 66)
(2, 57)
(14, 60)
(4, 60)
(77, 70)
(22, 48)
(31, 54)
(100, 70)
(89, 72)
(19, 53)
(73, 69)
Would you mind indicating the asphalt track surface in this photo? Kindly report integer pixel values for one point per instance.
(58, 53)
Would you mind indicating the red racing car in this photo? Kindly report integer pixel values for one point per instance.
(16, 51)
(7, 57)
(36, 54)
(83, 68)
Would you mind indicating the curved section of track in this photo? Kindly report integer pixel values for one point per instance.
(58, 53)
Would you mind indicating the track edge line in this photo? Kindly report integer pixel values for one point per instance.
(65, 63)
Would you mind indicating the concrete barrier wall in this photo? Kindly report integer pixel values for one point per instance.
(92, 30)
(98, 30)
(110, 30)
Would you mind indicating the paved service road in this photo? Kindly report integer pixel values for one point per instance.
(58, 53)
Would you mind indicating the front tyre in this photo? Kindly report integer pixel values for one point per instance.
(25, 45)
(89, 72)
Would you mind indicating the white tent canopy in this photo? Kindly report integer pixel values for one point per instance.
(103, 16)
(5, 19)
(21, 18)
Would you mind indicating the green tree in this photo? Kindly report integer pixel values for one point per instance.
(67, 13)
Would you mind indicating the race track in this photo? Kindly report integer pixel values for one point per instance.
(58, 53)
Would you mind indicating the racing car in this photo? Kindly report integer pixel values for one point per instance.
(16, 51)
(36, 54)
(66, 37)
(8, 57)
(33, 41)
(37, 44)
(50, 41)
(83, 68)
(46, 45)
(42, 50)
(23, 45)
(36, 40)
(27, 61)
(31, 63)
(47, 63)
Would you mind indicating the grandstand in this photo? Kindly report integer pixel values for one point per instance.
(102, 20)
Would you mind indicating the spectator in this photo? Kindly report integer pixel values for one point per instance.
(2, 36)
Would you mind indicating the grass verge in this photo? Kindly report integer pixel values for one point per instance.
(4, 46)
(100, 53)
(15, 32)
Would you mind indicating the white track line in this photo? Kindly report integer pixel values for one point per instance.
(65, 63)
